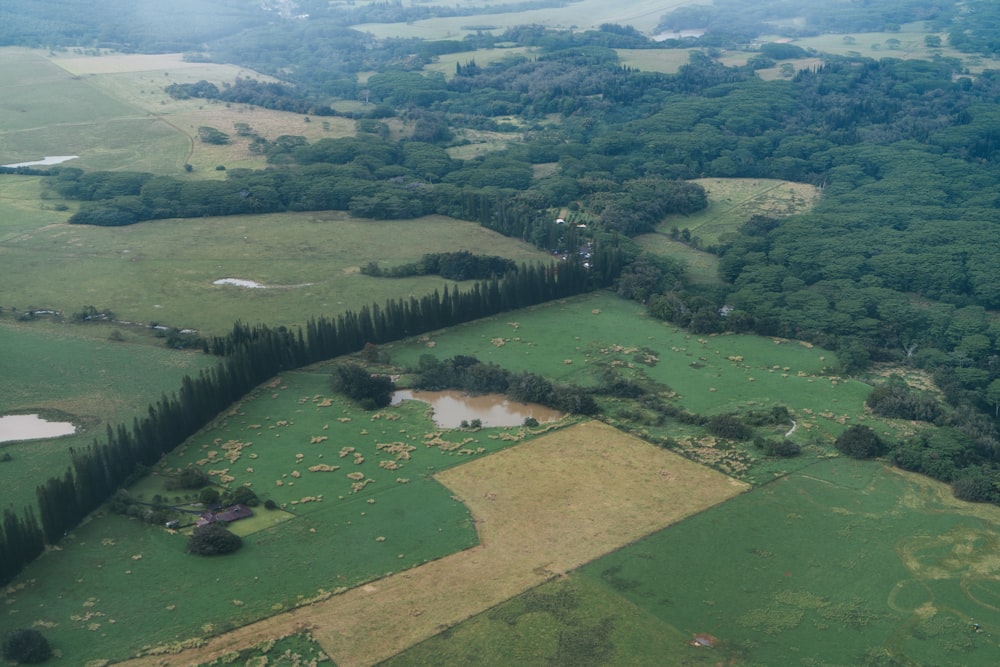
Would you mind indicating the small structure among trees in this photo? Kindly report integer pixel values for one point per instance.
(228, 515)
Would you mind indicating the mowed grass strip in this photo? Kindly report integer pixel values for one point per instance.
(541, 509)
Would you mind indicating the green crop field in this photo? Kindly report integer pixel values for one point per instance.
(904, 573)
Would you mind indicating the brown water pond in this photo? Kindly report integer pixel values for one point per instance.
(451, 408)
(32, 427)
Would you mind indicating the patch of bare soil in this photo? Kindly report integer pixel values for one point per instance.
(541, 508)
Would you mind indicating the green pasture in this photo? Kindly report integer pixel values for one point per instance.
(293, 651)
(733, 201)
(701, 267)
(48, 111)
(904, 571)
(570, 621)
(163, 271)
(666, 61)
(22, 209)
(644, 15)
(577, 340)
(446, 63)
(66, 374)
(334, 529)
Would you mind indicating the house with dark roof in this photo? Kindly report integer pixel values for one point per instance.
(230, 514)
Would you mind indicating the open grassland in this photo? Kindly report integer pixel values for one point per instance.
(643, 15)
(48, 111)
(666, 61)
(577, 340)
(907, 44)
(446, 63)
(356, 499)
(111, 110)
(63, 373)
(733, 201)
(903, 573)
(700, 267)
(569, 621)
(163, 271)
(541, 508)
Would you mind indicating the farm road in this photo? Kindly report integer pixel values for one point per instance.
(541, 508)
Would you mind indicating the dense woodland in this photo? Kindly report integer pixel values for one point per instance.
(895, 264)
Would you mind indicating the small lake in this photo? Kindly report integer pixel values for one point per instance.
(451, 408)
(32, 427)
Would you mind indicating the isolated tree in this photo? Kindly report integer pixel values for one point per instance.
(244, 495)
(26, 646)
(208, 496)
(213, 540)
(860, 442)
(993, 396)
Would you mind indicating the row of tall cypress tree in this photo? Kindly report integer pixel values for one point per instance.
(250, 356)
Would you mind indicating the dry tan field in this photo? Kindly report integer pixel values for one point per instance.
(541, 509)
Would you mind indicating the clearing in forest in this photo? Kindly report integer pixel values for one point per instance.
(541, 509)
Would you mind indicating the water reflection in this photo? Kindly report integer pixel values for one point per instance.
(32, 427)
(451, 408)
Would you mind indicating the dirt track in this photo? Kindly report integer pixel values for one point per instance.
(541, 509)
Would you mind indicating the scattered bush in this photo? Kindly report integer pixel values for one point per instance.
(975, 488)
(26, 646)
(213, 540)
(244, 495)
(188, 478)
(860, 442)
(370, 391)
(780, 448)
(729, 426)
(209, 496)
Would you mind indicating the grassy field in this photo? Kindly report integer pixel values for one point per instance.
(667, 61)
(106, 132)
(576, 340)
(164, 271)
(733, 201)
(61, 371)
(537, 513)
(121, 118)
(644, 15)
(904, 573)
(346, 517)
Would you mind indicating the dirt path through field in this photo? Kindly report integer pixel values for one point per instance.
(541, 509)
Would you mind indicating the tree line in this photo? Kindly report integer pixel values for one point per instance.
(251, 355)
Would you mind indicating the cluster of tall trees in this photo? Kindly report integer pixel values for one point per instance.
(471, 375)
(252, 355)
(461, 265)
